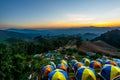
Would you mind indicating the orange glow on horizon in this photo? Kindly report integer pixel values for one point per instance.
(105, 24)
(66, 25)
(73, 24)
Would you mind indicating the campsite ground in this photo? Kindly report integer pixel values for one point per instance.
(71, 74)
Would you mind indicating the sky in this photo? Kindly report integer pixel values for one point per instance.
(59, 13)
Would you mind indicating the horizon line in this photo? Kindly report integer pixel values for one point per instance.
(62, 27)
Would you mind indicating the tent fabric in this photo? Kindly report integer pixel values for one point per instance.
(109, 72)
(111, 62)
(117, 61)
(58, 59)
(52, 63)
(100, 60)
(118, 64)
(95, 64)
(84, 73)
(73, 62)
(36, 55)
(62, 67)
(86, 61)
(47, 69)
(58, 75)
(77, 65)
(64, 62)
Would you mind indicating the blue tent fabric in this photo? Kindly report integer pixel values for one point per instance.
(52, 63)
(83, 73)
(80, 71)
(109, 71)
(64, 73)
(106, 72)
(91, 64)
(58, 59)
(73, 62)
(43, 69)
(100, 60)
(76, 65)
(61, 64)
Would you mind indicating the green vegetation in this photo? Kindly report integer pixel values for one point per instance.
(111, 37)
(16, 55)
(18, 58)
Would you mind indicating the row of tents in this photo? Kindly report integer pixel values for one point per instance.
(84, 70)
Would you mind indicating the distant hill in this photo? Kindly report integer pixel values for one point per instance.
(87, 33)
(66, 31)
(89, 36)
(9, 34)
(111, 37)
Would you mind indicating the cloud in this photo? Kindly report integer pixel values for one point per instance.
(79, 17)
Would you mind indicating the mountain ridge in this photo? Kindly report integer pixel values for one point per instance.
(111, 37)
(9, 34)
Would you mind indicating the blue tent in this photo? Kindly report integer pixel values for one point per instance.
(84, 73)
(108, 72)
(58, 75)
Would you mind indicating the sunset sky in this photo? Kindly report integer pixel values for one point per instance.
(59, 13)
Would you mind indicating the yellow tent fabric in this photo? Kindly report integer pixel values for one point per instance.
(58, 76)
(85, 73)
(88, 75)
(115, 71)
(63, 62)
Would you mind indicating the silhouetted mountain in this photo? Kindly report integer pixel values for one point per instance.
(9, 34)
(89, 36)
(66, 31)
(87, 33)
(111, 37)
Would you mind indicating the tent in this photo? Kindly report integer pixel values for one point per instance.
(64, 62)
(86, 61)
(111, 62)
(84, 73)
(62, 67)
(52, 63)
(118, 64)
(100, 60)
(58, 75)
(116, 60)
(46, 70)
(108, 72)
(36, 55)
(58, 59)
(77, 65)
(73, 62)
(95, 64)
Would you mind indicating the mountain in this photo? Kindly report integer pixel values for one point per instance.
(9, 34)
(89, 36)
(87, 33)
(66, 31)
(111, 37)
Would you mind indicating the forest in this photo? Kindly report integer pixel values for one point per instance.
(20, 58)
(16, 55)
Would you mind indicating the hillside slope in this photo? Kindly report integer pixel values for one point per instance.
(95, 46)
(8, 34)
(111, 37)
(98, 46)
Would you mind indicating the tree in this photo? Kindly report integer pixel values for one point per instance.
(5, 62)
(78, 42)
